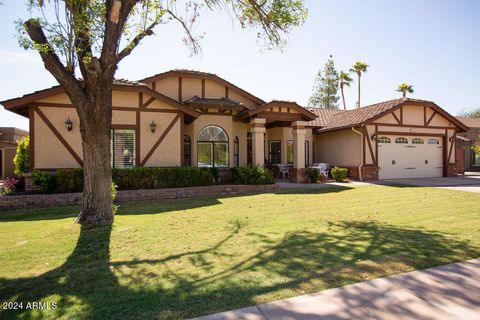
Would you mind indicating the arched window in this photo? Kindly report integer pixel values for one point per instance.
(401, 140)
(212, 147)
(384, 140)
(417, 141)
(433, 141)
(236, 151)
(249, 148)
(187, 150)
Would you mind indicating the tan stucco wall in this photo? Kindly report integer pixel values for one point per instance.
(191, 87)
(168, 87)
(168, 152)
(340, 148)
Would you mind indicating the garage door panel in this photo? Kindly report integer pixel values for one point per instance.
(411, 159)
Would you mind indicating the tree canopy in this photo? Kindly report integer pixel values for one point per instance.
(405, 88)
(475, 113)
(325, 88)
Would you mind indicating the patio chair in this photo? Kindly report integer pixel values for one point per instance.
(322, 167)
(283, 170)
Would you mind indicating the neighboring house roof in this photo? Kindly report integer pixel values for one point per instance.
(358, 117)
(470, 122)
(223, 103)
(323, 116)
(16, 104)
(308, 115)
(204, 75)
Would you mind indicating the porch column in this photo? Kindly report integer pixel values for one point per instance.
(257, 128)
(299, 132)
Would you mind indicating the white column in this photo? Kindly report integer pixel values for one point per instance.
(257, 128)
(299, 132)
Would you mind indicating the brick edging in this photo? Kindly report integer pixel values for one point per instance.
(62, 199)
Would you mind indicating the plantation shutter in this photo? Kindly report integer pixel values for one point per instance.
(123, 148)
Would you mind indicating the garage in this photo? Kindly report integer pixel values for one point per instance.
(402, 156)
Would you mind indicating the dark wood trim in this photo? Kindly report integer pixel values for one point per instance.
(431, 118)
(401, 114)
(137, 131)
(396, 118)
(180, 95)
(411, 126)
(123, 126)
(160, 110)
(182, 133)
(124, 109)
(160, 139)
(364, 156)
(203, 88)
(444, 147)
(397, 133)
(281, 116)
(424, 116)
(149, 102)
(59, 136)
(226, 92)
(376, 145)
(154, 85)
(370, 149)
(31, 120)
(452, 143)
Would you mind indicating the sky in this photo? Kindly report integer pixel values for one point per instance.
(432, 44)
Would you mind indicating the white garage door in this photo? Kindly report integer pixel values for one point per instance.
(410, 157)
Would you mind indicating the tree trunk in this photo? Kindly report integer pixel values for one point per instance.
(404, 94)
(95, 127)
(358, 103)
(343, 98)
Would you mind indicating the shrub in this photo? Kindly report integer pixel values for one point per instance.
(154, 178)
(252, 175)
(46, 181)
(10, 185)
(313, 174)
(114, 195)
(339, 174)
(22, 157)
(70, 180)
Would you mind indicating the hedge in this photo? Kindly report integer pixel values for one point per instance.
(252, 175)
(339, 174)
(71, 180)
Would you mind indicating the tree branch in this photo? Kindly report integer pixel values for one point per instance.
(135, 41)
(50, 59)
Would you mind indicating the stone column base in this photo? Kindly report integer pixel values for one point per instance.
(297, 175)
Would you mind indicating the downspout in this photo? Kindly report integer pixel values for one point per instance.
(361, 153)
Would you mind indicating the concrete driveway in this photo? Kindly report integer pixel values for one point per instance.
(469, 182)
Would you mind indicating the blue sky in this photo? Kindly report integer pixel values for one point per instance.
(434, 45)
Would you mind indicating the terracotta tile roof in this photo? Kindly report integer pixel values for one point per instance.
(221, 102)
(470, 122)
(323, 116)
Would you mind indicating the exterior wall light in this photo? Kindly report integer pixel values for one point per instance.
(153, 126)
(374, 137)
(69, 124)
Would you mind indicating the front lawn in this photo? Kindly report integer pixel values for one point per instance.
(185, 258)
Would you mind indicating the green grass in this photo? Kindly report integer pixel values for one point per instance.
(185, 258)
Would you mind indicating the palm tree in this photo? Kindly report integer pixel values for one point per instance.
(359, 67)
(345, 80)
(404, 88)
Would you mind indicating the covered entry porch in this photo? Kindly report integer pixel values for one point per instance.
(278, 136)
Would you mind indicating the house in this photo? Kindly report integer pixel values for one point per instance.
(471, 160)
(184, 117)
(8, 146)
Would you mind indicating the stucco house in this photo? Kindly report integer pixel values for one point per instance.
(184, 117)
(471, 161)
(9, 137)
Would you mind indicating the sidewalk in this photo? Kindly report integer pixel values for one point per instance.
(447, 292)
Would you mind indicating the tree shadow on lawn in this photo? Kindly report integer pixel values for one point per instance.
(147, 206)
(90, 286)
